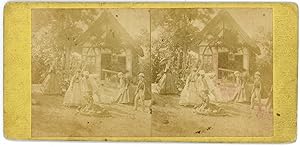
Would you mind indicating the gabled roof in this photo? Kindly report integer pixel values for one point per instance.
(106, 31)
(225, 19)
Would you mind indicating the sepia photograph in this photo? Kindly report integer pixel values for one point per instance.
(212, 72)
(165, 72)
(91, 72)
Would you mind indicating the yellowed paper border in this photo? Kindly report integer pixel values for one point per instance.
(17, 69)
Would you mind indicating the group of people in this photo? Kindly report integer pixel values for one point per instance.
(124, 90)
(240, 88)
(196, 93)
(256, 91)
(201, 88)
(85, 94)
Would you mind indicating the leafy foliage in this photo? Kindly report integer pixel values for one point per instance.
(176, 32)
(265, 61)
(53, 33)
(143, 40)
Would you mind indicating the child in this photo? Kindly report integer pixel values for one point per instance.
(92, 109)
(256, 91)
(140, 91)
(205, 108)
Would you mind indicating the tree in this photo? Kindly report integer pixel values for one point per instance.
(176, 31)
(143, 40)
(54, 32)
(264, 62)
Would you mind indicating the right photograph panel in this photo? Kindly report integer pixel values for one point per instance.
(212, 72)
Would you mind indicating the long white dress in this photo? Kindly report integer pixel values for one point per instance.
(123, 96)
(74, 95)
(240, 94)
(99, 95)
(189, 95)
(214, 91)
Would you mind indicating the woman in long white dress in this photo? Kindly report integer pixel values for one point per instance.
(206, 107)
(123, 96)
(89, 107)
(239, 95)
(202, 88)
(189, 94)
(214, 90)
(256, 91)
(98, 92)
(74, 94)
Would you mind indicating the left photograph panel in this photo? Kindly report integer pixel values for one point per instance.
(90, 73)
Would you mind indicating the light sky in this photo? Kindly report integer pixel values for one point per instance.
(251, 19)
(135, 20)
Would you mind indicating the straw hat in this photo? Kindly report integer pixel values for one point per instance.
(257, 73)
(120, 74)
(86, 73)
(141, 75)
(236, 73)
(202, 72)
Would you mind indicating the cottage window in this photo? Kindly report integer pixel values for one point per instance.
(231, 56)
(208, 60)
(89, 55)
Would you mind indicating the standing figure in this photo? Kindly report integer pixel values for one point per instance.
(74, 95)
(140, 92)
(189, 94)
(91, 109)
(205, 108)
(130, 88)
(214, 90)
(167, 83)
(239, 95)
(51, 84)
(98, 92)
(269, 104)
(123, 96)
(203, 90)
(86, 85)
(245, 78)
(256, 91)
